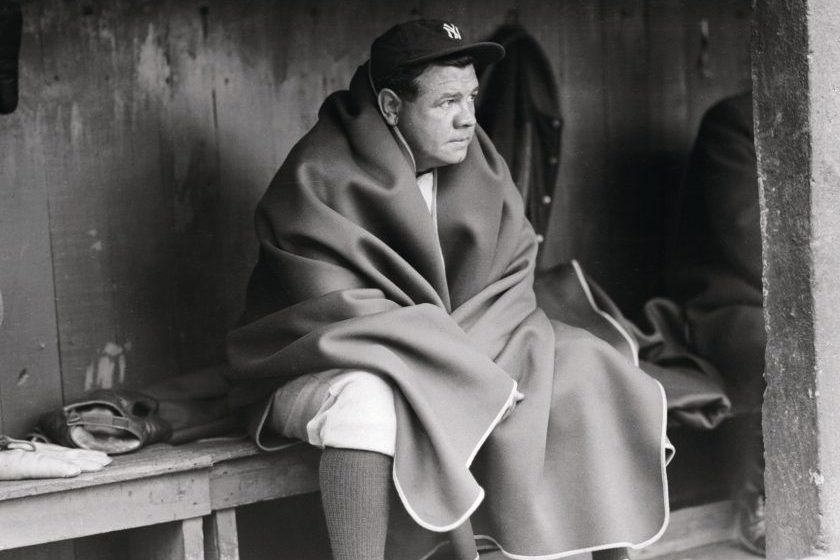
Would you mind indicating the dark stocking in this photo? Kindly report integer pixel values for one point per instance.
(355, 488)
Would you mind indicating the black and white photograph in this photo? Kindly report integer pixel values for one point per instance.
(419, 280)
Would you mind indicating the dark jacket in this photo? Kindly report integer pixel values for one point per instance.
(716, 269)
(519, 110)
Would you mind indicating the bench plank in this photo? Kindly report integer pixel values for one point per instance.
(158, 484)
(103, 508)
(221, 449)
(264, 476)
(153, 461)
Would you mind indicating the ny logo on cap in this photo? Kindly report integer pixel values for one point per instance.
(452, 31)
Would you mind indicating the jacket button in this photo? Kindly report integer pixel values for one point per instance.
(553, 160)
(546, 199)
(555, 123)
(540, 238)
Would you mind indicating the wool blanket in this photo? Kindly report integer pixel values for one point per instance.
(352, 274)
(693, 387)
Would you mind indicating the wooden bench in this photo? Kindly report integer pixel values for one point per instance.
(160, 485)
(180, 502)
(243, 475)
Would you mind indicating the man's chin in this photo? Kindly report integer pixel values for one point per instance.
(457, 156)
(450, 157)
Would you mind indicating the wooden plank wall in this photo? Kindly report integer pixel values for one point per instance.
(147, 131)
(632, 92)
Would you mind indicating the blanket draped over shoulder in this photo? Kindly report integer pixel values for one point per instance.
(350, 275)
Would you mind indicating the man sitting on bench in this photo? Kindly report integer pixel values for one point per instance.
(716, 275)
(391, 320)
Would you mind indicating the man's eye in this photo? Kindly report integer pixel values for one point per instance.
(448, 102)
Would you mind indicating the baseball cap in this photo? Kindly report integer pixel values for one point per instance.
(424, 40)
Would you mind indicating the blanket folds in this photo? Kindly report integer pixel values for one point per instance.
(693, 387)
(350, 275)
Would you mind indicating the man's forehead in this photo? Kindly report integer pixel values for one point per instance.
(438, 78)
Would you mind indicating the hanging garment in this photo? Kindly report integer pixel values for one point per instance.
(519, 110)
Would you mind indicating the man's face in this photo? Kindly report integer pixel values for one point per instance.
(439, 124)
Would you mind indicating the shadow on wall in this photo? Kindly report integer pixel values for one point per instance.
(643, 193)
(143, 140)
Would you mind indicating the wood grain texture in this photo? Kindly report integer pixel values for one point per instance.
(255, 479)
(107, 208)
(632, 98)
(238, 38)
(575, 225)
(198, 271)
(30, 380)
(103, 508)
(155, 460)
(627, 266)
(220, 451)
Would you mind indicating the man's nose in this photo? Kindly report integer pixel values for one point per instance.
(466, 116)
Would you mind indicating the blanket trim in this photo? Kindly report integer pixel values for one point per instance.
(457, 523)
(664, 445)
(589, 297)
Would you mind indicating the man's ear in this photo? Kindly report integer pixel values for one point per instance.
(389, 105)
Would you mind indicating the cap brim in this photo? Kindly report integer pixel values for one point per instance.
(484, 53)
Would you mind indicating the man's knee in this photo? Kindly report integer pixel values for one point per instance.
(359, 414)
